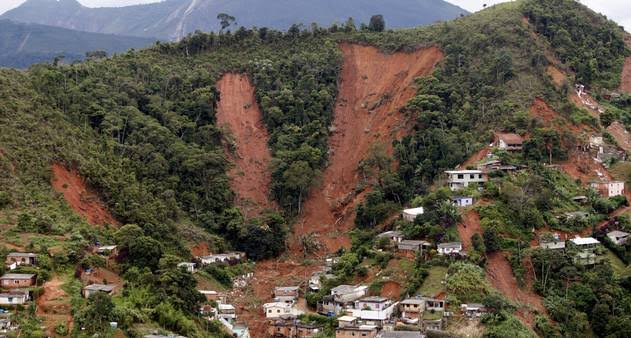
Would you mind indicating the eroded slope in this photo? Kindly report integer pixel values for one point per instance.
(80, 198)
(238, 111)
(372, 90)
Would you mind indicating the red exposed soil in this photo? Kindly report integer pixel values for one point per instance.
(621, 135)
(80, 198)
(470, 225)
(582, 166)
(373, 88)
(625, 83)
(102, 276)
(200, 249)
(475, 158)
(391, 290)
(541, 110)
(54, 306)
(238, 111)
(500, 274)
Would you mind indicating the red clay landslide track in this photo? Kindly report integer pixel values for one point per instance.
(373, 88)
(238, 111)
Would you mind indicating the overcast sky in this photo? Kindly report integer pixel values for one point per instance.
(618, 10)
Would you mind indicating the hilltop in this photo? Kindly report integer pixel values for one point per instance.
(174, 19)
(293, 147)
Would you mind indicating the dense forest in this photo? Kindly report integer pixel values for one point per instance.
(141, 129)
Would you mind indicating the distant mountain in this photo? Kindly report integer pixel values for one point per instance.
(173, 19)
(22, 45)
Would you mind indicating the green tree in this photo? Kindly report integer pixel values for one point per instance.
(377, 23)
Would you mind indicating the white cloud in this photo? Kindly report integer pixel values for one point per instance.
(6, 5)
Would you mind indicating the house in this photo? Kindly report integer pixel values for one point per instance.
(107, 250)
(411, 214)
(361, 331)
(229, 258)
(15, 259)
(400, 334)
(6, 325)
(432, 320)
(188, 266)
(580, 199)
(472, 310)
(413, 245)
(449, 248)
(587, 250)
(556, 245)
(393, 236)
(347, 321)
(508, 141)
(316, 277)
(209, 294)
(329, 262)
(340, 296)
(279, 309)
(411, 309)
(14, 297)
(292, 292)
(460, 179)
(291, 328)
(348, 293)
(608, 188)
(462, 201)
(96, 288)
(17, 280)
(226, 311)
(618, 237)
(373, 310)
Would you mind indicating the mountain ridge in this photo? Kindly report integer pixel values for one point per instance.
(23, 44)
(174, 19)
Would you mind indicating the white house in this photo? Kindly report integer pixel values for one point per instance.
(413, 245)
(609, 188)
(449, 248)
(587, 247)
(278, 309)
(373, 310)
(618, 237)
(188, 266)
(348, 293)
(460, 179)
(556, 245)
(410, 214)
(14, 297)
(393, 236)
(472, 310)
(225, 258)
(226, 311)
(96, 288)
(462, 201)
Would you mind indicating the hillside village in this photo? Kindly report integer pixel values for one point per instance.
(326, 182)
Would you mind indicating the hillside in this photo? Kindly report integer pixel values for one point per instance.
(297, 146)
(174, 19)
(24, 44)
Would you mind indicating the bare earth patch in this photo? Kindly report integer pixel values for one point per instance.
(80, 198)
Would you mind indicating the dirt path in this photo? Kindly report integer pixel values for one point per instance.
(500, 274)
(470, 225)
(238, 111)
(80, 198)
(625, 83)
(54, 306)
(373, 88)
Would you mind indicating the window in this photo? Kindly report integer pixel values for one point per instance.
(460, 176)
(472, 176)
(364, 334)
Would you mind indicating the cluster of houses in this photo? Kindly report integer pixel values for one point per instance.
(587, 248)
(360, 315)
